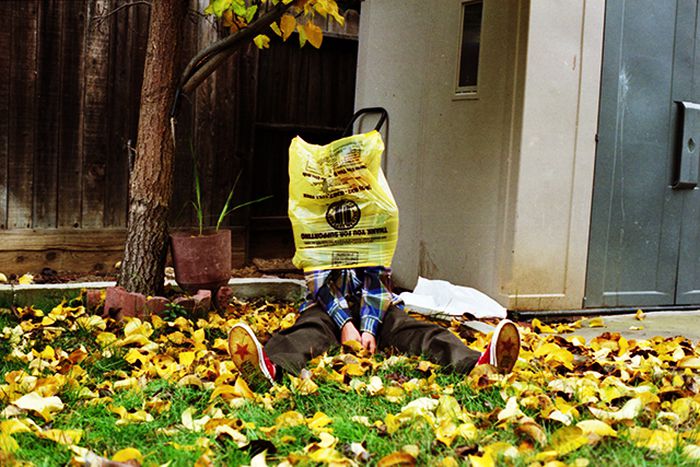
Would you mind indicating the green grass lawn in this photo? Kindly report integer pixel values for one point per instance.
(78, 388)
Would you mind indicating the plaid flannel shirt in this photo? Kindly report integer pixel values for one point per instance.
(336, 289)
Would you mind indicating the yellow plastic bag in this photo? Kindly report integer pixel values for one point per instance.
(342, 211)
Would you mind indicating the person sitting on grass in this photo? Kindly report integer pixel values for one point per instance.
(358, 304)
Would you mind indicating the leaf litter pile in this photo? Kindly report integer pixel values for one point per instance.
(79, 389)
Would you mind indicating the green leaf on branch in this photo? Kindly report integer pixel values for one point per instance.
(239, 8)
(217, 7)
(276, 29)
(302, 35)
(262, 41)
(250, 13)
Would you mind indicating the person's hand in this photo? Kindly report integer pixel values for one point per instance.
(349, 333)
(369, 342)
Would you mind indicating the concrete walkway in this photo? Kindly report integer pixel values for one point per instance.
(660, 323)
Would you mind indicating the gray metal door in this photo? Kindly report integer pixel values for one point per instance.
(645, 222)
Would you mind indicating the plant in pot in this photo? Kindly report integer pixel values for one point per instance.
(202, 259)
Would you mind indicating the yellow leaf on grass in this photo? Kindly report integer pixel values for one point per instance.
(289, 419)
(511, 411)
(67, 437)
(567, 439)
(629, 411)
(392, 422)
(411, 449)
(105, 338)
(326, 456)
(319, 422)
(596, 429)
(186, 358)
(689, 362)
(553, 352)
(533, 431)
(354, 369)
(448, 462)
(501, 449)
(375, 386)
(189, 422)
(692, 451)
(8, 443)
(304, 386)
(314, 34)
(448, 409)
(482, 461)
(44, 406)
(287, 25)
(446, 432)
(396, 459)
(394, 394)
(260, 460)
(12, 426)
(128, 454)
(656, 440)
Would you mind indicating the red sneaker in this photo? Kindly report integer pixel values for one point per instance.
(504, 348)
(250, 358)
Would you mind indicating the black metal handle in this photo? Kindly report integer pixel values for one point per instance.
(367, 110)
(688, 157)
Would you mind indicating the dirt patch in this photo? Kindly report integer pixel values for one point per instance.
(278, 267)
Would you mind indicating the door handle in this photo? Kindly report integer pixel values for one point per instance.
(688, 151)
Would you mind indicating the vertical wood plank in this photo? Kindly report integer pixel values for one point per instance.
(246, 131)
(204, 140)
(96, 113)
(125, 77)
(49, 114)
(181, 207)
(5, 64)
(116, 171)
(70, 154)
(23, 112)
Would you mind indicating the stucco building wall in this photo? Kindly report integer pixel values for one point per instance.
(494, 191)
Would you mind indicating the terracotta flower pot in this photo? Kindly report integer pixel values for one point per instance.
(201, 261)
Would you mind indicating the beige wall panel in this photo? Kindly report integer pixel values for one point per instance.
(390, 74)
(448, 159)
(557, 155)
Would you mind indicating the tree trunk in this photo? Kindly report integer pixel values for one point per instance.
(151, 184)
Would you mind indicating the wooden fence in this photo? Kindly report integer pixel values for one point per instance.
(69, 98)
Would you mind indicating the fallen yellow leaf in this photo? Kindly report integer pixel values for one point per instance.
(596, 323)
(289, 419)
(657, 440)
(128, 454)
(25, 279)
(396, 459)
(567, 439)
(44, 406)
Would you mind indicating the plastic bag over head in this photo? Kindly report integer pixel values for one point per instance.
(342, 211)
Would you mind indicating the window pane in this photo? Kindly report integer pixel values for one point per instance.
(471, 37)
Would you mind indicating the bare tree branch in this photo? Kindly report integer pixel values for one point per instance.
(99, 19)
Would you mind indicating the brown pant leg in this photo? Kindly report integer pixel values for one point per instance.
(413, 337)
(313, 333)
